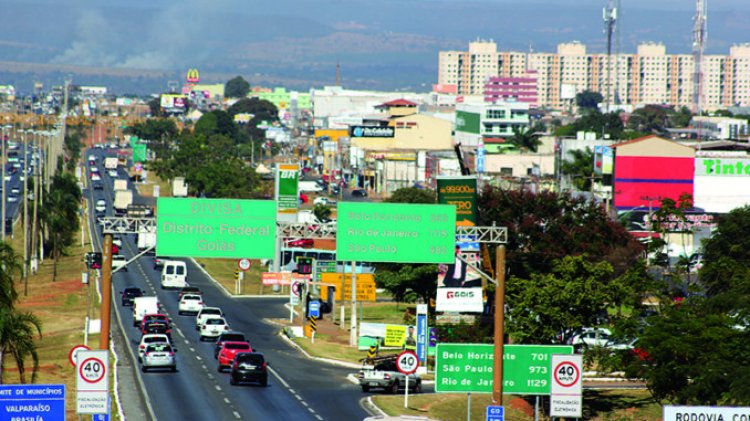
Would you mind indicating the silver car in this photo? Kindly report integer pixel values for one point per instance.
(158, 355)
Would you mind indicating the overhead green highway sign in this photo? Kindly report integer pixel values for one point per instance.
(395, 232)
(233, 228)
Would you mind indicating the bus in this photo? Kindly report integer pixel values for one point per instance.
(288, 260)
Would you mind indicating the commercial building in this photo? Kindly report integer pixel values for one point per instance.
(650, 76)
(284, 99)
(478, 123)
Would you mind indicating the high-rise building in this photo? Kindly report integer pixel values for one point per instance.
(650, 76)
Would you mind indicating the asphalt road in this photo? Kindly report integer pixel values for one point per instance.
(299, 389)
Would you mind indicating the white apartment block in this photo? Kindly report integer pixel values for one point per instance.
(650, 76)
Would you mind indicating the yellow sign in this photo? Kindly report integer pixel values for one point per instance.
(365, 286)
(193, 76)
(395, 335)
(333, 134)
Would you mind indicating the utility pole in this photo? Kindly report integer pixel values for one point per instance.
(499, 331)
(106, 290)
(34, 224)
(610, 17)
(3, 175)
(25, 214)
(699, 42)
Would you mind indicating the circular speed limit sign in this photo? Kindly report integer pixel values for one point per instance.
(244, 264)
(566, 374)
(92, 370)
(407, 362)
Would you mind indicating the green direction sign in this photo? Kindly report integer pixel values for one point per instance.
(324, 266)
(395, 232)
(468, 368)
(139, 152)
(231, 228)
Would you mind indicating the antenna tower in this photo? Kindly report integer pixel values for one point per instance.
(338, 73)
(610, 19)
(699, 41)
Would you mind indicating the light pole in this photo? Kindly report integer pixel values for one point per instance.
(6, 130)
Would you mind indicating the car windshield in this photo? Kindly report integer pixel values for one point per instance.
(159, 348)
(255, 359)
(191, 297)
(233, 337)
(210, 311)
(150, 339)
(215, 321)
(237, 346)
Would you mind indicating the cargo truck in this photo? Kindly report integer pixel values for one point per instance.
(123, 199)
(110, 163)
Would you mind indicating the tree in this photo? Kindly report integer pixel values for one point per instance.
(589, 99)
(548, 226)
(260, 110)
(681, 118)
(527, 138)
(154, 106)
(649, 119)
(17, 332)
(60, 215)
(322, 212)
(216, 122)
(412, 195)
(10, 270)
(236, 87)
(580, 168)
(726, 255)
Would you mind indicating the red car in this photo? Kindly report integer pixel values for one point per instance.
(155, 317)
(300, 242)
(229, 351)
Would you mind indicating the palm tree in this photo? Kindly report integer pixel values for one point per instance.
(10, 269)
(17, 332)
(528, 138)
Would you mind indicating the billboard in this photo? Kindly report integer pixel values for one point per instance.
(467, 300)
(603, 160)
(371, 131)
(173, 101)
(287, 193)
(460, 191)
(467, 122)
(642, 181)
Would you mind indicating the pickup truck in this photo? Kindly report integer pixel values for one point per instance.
(381, 373)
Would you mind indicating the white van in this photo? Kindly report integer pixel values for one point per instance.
(143, 306)
(174, 274)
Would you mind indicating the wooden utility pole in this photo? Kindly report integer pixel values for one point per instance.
(497, 372)
(106, 290)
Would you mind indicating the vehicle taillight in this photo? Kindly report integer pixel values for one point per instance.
(171, 354)
(263, 366)
(143, 346)
(200, 303)
(387, 376)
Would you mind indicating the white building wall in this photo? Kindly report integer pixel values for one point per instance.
(716, 189)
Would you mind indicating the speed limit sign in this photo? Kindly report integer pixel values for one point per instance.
(244, 264)
(92, 382)
(407, 362)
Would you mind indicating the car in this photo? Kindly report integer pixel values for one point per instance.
(117, 241)
(230, 350)
(228, 336)
(98, 185)
(159, 262)
(100, 206)
(335, 189)
(299, 242)
(206, 312)
(190, 304)
(95, 177)
(212, 327)
(626, 344)
(158, 355)
(382, 373)
(589, 337)
(129, 293)
(324, 201)
(359, 193)
(112, 173)
(15, 190)
(155, 317)
(189, 290)
(12, 198)
(149, 339)
(156, 326)
(94, 169)
(119, 261)
(249, 367)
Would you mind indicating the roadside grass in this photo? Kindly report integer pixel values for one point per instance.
(222, 270)
(598, 405)
(332, 347)
(147, 189)
(61, 306)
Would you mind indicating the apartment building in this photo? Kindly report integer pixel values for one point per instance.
(650, 76)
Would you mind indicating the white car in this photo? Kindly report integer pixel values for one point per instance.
(151, 338)
(94, 169)
(117, 241)
(190, 303)
(100, 206)
(95, 177)
(590, 337)
(322, 200)
(205, 313)
(212, 327)
(118, 261)
(112, 173)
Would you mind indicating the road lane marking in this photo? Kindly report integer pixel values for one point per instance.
(217, 387)
(236, 414)
(226, 400)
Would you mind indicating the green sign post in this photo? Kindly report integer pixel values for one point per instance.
(231, 228)
(395, 232)
(467, 368)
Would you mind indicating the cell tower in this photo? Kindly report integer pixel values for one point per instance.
(699, 41)
(609, 14)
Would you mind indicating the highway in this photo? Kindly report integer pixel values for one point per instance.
(299, 389)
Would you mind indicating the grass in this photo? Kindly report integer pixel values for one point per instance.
(610, 405)
(61, 305)
(327, 346)
(147, 189)
(222, 270)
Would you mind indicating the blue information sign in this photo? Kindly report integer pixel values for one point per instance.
(37, 401)
(422, 337)
(495, 413)
(314, 309)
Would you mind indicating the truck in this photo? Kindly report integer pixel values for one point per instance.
(179, 187)
(310, 186)
(110, 163)
(146, 239)
(307, 217)
(123, 199)
(121, 184)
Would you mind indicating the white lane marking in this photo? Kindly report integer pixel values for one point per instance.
(298, 397)
(191, 348)
(226, 400)
(319, 417)
(275, 374)
(204, 367)
(292, 391)
(236, 414)
(217, 387)
(198, 358)
(211, 376)
(304, 403)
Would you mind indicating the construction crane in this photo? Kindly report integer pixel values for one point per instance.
(609, 14)
(699, 42)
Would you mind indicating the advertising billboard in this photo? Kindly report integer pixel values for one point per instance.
(287, 191)
(173, 101)
(371, 131)
(721, 184)
(460, 191)
(645, 181)
(603, 160)
(467, 122)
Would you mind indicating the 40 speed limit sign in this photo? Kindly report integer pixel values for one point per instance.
(92, 381)
(407, 362)
(567, 386)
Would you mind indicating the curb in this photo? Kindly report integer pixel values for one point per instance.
(325, 360)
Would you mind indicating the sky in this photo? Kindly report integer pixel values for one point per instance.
(303, 39)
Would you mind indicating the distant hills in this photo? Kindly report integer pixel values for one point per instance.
(381, 44)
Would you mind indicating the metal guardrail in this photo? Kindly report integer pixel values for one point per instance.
(130, 225)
